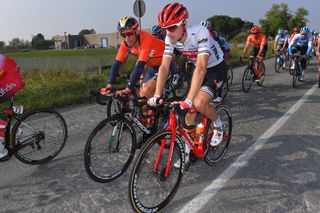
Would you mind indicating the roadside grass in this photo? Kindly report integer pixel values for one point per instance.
(60, 88)
(66, 52)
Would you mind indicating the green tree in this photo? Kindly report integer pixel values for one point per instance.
(228, 26)
(40, 43)
(2, 45)
(86, 32)
(279, 17)
(17, 43)
(299, 19)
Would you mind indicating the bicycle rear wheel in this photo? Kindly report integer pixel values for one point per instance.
(149, 190)
(215, 154)
(247, 79)
(109, 149)
(39, 135)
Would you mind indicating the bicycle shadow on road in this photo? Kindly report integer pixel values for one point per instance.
(281, 176)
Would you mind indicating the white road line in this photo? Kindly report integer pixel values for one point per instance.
(210, 191)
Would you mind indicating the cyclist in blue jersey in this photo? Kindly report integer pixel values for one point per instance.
(301, 42)
(224, 45)
(280, 44)
(158, 32)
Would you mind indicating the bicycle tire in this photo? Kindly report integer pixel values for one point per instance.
(141, 197)
(224, 91)
(318, 79)
(247, 79)
(214, 155)
(37, 138)
(99, 157)
(295, 75)
(230, 77)
(277, 64)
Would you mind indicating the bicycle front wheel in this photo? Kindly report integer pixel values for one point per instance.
(109, 149)
(214, 154)
(150, 190)
(277, 64)
(39, 135)
(230, 77)
(247, 79)
(295, 75)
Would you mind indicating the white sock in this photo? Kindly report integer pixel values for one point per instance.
(217, 123)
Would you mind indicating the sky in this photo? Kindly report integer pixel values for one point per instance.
(25, 18)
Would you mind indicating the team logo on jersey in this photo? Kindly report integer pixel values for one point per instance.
(204, 40)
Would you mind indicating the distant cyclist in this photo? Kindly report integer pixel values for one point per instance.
(301, 42)
(280, 44)
(158, 32)
(260, 48)
(318, 54)
(224, 45)
(296, 30)
(146, 48)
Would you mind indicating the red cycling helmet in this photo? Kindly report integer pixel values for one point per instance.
(127, 23)
(296, 29)
(172, 14)
(255, 29)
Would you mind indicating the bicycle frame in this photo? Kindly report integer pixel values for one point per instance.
(174, 127)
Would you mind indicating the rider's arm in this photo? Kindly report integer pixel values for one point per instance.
(275, 45)
(292, 43)
(198, 76)
(114, 71)
(246, 47)
(144, 54)
(263, 43)
(309, 47)
(135, 76)
(318, 47)
(284, 44)
(162, 74)
(121, 56)
(164, 67)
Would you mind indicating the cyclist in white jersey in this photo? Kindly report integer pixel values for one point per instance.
(281, 44)
(301, 42)
(198, 46)
(318, 54)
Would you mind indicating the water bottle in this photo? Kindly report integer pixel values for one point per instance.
(3, 125)
(199, 134)
(18, 109)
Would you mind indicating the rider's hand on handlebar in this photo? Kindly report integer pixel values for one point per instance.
(155, 101)
(317, 53)
(186, 104)
(106, 91)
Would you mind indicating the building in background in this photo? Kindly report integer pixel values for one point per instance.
(101, 40)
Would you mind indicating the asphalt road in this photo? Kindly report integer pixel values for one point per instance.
(271, 164)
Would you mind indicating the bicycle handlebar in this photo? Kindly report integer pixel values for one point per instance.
(98, 97)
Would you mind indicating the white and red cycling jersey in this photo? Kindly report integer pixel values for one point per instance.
(198, 42)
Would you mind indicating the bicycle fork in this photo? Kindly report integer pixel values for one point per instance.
(172, 126)
(111, 138)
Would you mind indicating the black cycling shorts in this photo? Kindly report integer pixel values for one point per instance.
(218, 73)
(255, 51)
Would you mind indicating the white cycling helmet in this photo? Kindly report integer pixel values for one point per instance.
(205, 23)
